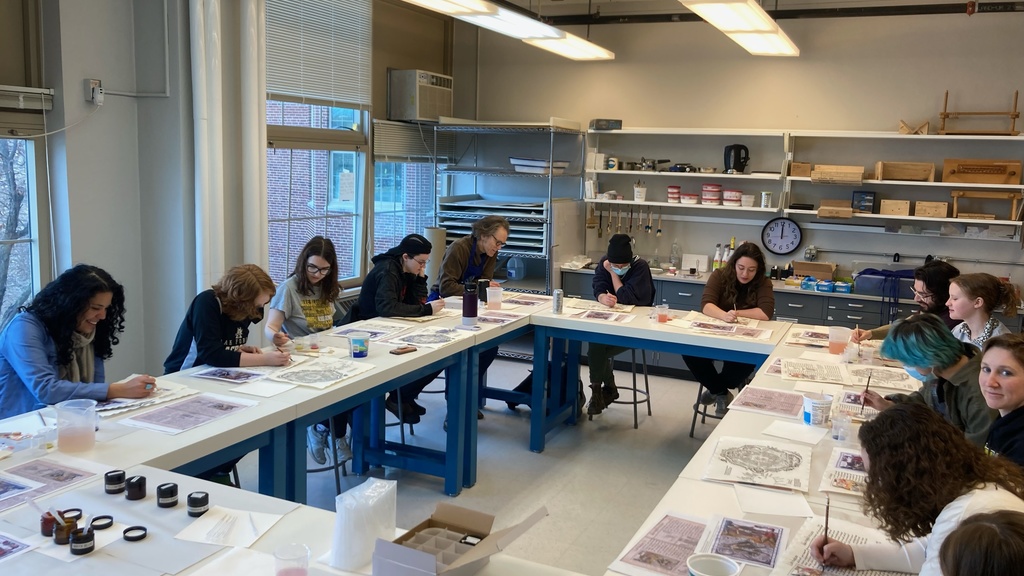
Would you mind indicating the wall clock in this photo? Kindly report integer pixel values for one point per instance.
(781, 236)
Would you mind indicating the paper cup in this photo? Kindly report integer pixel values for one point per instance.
(639, 194)
(711, 565)
(817, 408)
(359, 344)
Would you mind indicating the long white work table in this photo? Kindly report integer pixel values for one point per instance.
(161, 553)
(691, 496)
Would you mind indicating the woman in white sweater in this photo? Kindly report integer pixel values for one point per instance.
(924, 478)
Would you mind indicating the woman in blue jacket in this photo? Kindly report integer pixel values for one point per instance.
(54, 349)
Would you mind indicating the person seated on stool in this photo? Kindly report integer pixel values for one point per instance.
(973, 298)
(53, 349)
(987, 544)
(397, 287)
(307, 302)
(1002, 385)
(216, 328)
(923, 480)
(739, 289)
(620, 278)
(931, 292)
(947, 368)
(469, 259)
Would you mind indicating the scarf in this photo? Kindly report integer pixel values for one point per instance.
(82, 367)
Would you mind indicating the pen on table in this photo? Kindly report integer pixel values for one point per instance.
(864, 396)
(828, 503)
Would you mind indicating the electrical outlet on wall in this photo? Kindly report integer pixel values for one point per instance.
(94, 91)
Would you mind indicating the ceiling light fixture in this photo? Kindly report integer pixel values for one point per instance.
(747, 24)
(520, 26)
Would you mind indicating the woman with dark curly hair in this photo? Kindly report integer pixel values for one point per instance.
(54, 349)
(990, 544)
(739, 289)
(923, 479)
(216, 327)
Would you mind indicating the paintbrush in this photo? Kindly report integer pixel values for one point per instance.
(864, 396)
(828, 503)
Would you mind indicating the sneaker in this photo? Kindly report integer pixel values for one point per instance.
(417, 408)
(722, 404)
(707, 398)
(342, 451)
(581, 401)
(316, 441)
(596, 405)
(479, 414)
(408, 413)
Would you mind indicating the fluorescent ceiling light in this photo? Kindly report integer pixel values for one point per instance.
(572, 47)
(520, 26)
(456, 7)
(512, 24)
(765, 44)
(732, 15)
(747, 24)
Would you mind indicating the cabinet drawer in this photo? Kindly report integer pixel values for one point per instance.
(788, 305)
(680, 296)
(854, 305)
(796, 319)
(866, 320)
(578, 285)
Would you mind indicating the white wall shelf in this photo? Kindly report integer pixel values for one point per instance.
(859, 216)
(774, 177)
(681, 205)
(915, 183)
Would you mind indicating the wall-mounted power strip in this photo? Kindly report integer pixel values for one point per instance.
(94, 91)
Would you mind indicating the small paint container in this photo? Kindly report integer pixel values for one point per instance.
(167, 495)
(83, 541)
(114, 482)
(198, 504)
(136, 488)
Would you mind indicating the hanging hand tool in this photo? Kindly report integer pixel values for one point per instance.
(600, 223)
(618, 227)
(659, 224)
(650, 220)
(629, 223)
(591, 219)
(609, 230)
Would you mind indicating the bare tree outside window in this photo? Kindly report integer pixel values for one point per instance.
(15, 228)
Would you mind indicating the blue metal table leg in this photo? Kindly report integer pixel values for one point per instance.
(539, 407)
(462, 442)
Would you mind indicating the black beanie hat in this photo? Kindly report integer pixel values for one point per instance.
(412, 245)
(620, 250)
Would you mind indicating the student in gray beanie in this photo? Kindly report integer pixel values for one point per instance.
(620, 278)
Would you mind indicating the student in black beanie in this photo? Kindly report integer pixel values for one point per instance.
(620, 278)
(397, 286)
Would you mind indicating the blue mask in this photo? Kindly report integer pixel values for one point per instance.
(621, 271)
(917, 375)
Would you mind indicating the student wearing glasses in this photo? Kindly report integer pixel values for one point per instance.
(307, 302)
(397, 287)
(469, 259)
(931, 292)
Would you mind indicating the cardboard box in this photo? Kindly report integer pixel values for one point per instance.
(981, 171)
(912, 171)
(820, 270)
(931, 209)
(800, 169)
(397, 559)
(895, 207)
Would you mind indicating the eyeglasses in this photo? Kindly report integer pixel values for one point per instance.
(420, 262)
(922, 295)
(314, 269)
(499, 243)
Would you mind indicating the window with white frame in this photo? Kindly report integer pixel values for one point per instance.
(18, 258)
(318, 103)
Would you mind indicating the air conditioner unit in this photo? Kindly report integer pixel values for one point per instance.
(418, 96)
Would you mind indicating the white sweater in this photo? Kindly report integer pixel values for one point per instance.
(921, 555)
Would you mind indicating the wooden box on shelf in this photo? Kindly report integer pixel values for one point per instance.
(976, 216)
(1013, 197)
(981, 171)
(837, 174)
(800, 169)
(931, 209)
(895, 207)
(912, 171)
(835, 209)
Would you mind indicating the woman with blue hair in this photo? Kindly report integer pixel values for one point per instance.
(947, 368)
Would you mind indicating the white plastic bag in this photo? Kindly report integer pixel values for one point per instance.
(364, 513)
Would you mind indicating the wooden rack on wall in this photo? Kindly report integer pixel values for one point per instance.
(1012, 115)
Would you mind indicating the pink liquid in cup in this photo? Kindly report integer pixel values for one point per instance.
(76, 438)
(293, 571)
(662, 316)
(836, 347)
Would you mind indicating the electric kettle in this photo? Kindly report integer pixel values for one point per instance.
(736, 158)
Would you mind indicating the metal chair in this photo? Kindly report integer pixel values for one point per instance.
(702, 409)
(637, 393)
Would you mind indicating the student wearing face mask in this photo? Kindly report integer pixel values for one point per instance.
(947, 368)
(620, 278)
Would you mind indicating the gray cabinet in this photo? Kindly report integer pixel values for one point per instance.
(803, 308)
(853, 313)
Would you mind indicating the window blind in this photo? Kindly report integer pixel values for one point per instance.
(401, 142)
(320, 50)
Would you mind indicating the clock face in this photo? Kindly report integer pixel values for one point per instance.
(781, 236)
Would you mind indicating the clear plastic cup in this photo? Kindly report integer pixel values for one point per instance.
(291, 560)
(661, 310)
(76, 425)
(838, 338)
(494, 298)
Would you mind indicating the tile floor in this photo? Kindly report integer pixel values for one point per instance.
(599, 479)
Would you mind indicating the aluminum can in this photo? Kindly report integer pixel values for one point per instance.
(556, 301)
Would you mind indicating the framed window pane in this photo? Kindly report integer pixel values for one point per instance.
(298, 115)
(403, 201)
(17, 260)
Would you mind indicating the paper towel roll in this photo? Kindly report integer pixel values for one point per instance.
(436, 237)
